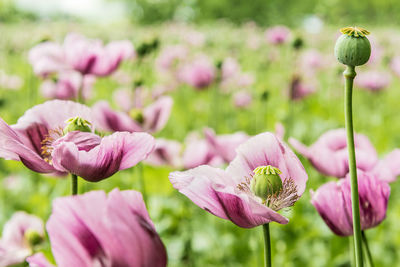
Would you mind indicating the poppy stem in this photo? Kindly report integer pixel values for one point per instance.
(349, 75)
(74, 184)
(142, 182)
(367, 250)
(267, 246)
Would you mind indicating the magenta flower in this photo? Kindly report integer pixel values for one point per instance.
(99, 230)
(199, 73)
(228, 193)
(81, 54)
(167, 153)
(20, 234)
(329, 153)
(333, 203)
(153, 118)
(277, 35)
(44, 142)
(373, 80)
(67, 86)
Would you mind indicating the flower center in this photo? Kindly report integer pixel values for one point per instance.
(354, 31)
(137, 115)
(77, 124)
(267, 185)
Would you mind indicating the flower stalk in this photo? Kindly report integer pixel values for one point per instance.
(349, 75)
(267, 246)
(74, 184)
(367, 250)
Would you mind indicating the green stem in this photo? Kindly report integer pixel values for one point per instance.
(349, 75)
(142, 182)
(351, 251)
(367, 250)
(267, 246)
(74, 184)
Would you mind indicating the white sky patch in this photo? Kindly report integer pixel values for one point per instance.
(99, 10)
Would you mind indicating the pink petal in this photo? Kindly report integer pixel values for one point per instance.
(38, 260)
(118, 151)
(157, 114)
(113, 121)
(388, 168)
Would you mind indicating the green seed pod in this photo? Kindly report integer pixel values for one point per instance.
(33, 238)
(77, 124)
(353, 47)
(266, 181)
(137, 115)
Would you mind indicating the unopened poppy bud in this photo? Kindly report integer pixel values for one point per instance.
(77, 124)
(266, 181)
(353, 47)
(33, 238)
(137, 115)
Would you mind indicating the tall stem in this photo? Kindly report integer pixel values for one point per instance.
(142, 182)
(267, 246)
(349, 75)
(74, 184)
(367, 250)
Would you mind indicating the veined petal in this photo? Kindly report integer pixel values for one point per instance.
(118, 151)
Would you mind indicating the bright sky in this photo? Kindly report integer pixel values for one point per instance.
(100, 10)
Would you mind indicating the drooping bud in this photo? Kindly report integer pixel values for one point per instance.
(33, 238)
(266, 181)
(353, 47)
(77, 124)
(137, 115)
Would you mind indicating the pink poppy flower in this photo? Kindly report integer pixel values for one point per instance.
(329, 153)
(47, 58)
(373, 80)
(94, 229)
(152, 118)
(10, 82)
(43, 142)
(67, 86)
(198, 152)
(311, 60)
(228, 194)
(225, 145)
(242, 99)
(299, 89)
(19, 236)
(167, 153)
(38, 260)
(277, 35)
(170, 57)
(230, 67)
(333, 203)
(329, 156)
(199, 73)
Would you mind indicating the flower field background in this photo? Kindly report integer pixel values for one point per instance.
(300, 88)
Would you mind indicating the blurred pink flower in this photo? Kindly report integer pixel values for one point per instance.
(395, 65)
(47, 58)
(329, 156)
(311, 60)
(242, 99)
(199, 73)
(230, 68)
(333, 202)
(170, 57)
(38, 260)
(226, 193)
(99, 230)
(373, 80)
(39, 142)
(194, 38)
(67, 86)
(277, 35)
(10, 82)
(298, 89)
(81, 54)
(376, 51)
(128, 99)
(166, 153)
(152, 118)
(15, 245)
(225, 145)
